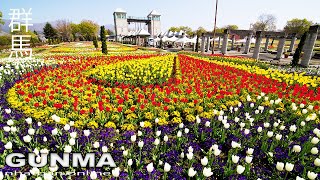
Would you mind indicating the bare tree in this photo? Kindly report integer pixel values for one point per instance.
(64, 29)
(266, 22)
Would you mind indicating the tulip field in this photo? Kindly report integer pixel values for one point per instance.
(160, 116)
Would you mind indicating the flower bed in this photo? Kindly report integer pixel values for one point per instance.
(213, 118)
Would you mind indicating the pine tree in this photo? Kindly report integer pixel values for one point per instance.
(297, 53)
(103, 40)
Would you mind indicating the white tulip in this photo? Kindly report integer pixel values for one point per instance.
(226, 125)
(191, 172)
(96, 145)
(314, 151)
(271, 111)
(140, 144)
(104, 149)
(31, 131)
(54, 131)
(204, 161)
(71, 123)
(302, 123)
(280, 166)
(72, 142)
(130, 162)
(216, 152)
(293, 128)
(66, 127)
(251, 105)
(55, 118)
(235, 145)
(142, 124)
(116, 172)
(242, 125)
(299, 178)
(304, 111)
(317, 162)
(22, 177)
(246, 131)
(125, 153)
(207, 124)
(250, 151)
(27, 138)
(259, 129)
(315, 140)
(53, 169)
(289, 167)
(139, 133)
(198, 120)
(266, 125)
(10, 122)
(181, 125)
(270, 154)
(156, 120)
(167, 167)
(8, 111)
(35, 171)
(86, 133)
(270, 134)
(158, 133)
(156, 142)
(67, 149)
(150, 167)
(296, 148)
(301, 105)
(6, 128)
(73, 135)
(271, 101)
(235, 159)
(179, 134)
(8, 145)
(278, 137)
(207, 172)
(312, 175)
(186, 130)
(248, 159)
(133, 138)
(93, 175)
(165, 138)
(282, 127)
(190, 155)
(190, 149)
(29, 121)
(182, 155)
(39, 124)
(47, 176)
(45, 139)
(240, 169)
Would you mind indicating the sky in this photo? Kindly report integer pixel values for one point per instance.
(192, 13)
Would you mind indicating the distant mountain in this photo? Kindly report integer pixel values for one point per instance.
(36, 26)
(39, 26)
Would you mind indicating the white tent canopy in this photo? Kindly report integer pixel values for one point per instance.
(185, 40)
(172, 39)
(253, 40)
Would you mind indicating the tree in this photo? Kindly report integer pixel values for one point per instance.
(49, 32)
(297, 53)
(266, 22)
(95, 42)
(298, 26)
(75, 30)
(88, 29)
(199, 33)
(103, 40)
(1, 21)
(231, 26)
(64, 30)
(186, 29)
(109, 32)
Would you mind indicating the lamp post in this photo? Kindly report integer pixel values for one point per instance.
(215, 26)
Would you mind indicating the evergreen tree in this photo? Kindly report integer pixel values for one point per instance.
(103, 40)
(95, 42)
(297, 53)
(49, 32)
